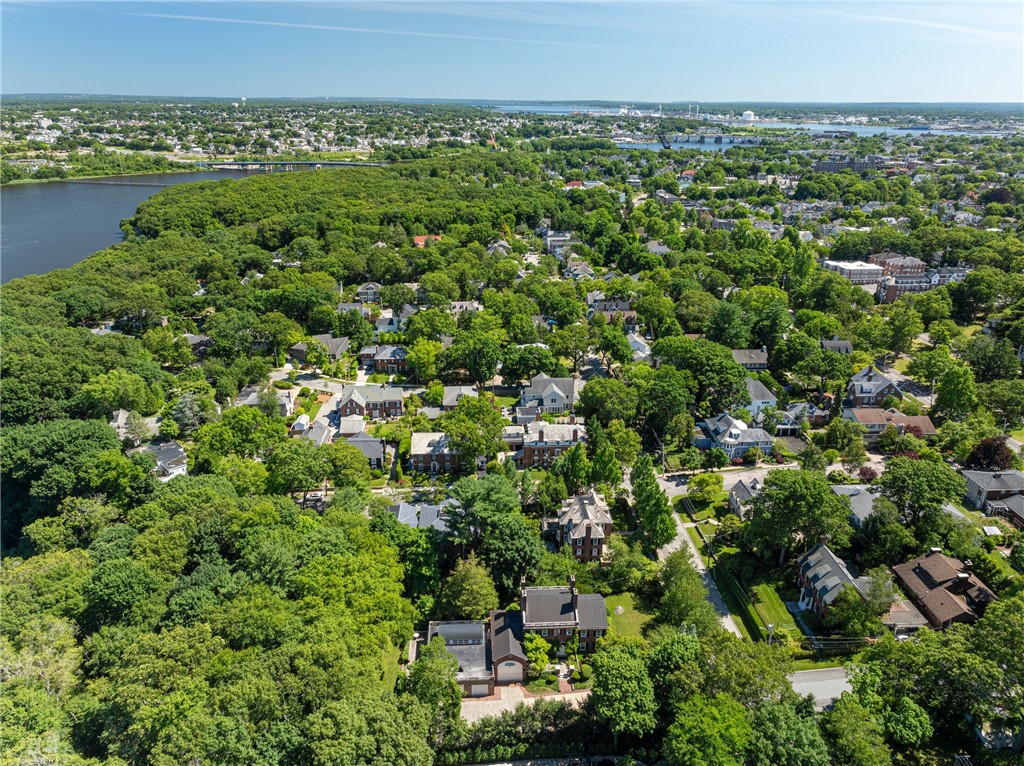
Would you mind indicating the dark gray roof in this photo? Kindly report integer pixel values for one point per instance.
(997, 480)
(370, 446)
(548, 605)
(1012, 506)
(837, 346)
(826, 572)
(592, 612)
(319, 433)
(744, 492)
(168, 454)
(506, 636)
(745, 356)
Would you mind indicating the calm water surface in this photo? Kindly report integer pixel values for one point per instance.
(53, 225)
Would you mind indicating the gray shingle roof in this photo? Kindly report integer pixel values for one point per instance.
(758, 391)
(506, 636)
(548, 605)
(745, 356)
(593, 615)
(826, 572)
(997, 480)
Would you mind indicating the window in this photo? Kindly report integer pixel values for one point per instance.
(597, 633)
(544, 633)
(583, 634)
(556, 632)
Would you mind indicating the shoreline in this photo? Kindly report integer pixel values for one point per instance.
(27, 181)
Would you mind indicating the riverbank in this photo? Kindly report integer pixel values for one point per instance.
(183, 167)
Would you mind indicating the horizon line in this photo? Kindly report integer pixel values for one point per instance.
(457, 99)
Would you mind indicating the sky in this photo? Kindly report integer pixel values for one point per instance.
(662, 51)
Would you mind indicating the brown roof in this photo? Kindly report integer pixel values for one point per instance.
(869, 415)
(921, 421)
(944, 588)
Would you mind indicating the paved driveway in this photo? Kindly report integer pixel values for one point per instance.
(825, 685)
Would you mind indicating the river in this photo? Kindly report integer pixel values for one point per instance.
(54, 225)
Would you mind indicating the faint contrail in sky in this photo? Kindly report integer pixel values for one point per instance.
(364, 30)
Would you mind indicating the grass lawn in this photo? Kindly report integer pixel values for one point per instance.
(381, 482)
(631, 621)
(900, 365)
(772, 608)
(505, 401)
(695, 536)
(730, 590)
(391, 667)
(1018, 434)
(540, 686)
(714, 509)
(834, 662)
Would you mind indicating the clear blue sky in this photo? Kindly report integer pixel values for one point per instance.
(673, 50)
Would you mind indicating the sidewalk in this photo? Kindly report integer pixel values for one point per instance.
(714, 596)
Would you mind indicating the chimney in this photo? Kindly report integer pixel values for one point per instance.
(968, 566)
(575, 435)
(522, 595)
(934, 550)
(572, 420)
(540, 434)
(573, 596)
(537, 417)
(764, 349)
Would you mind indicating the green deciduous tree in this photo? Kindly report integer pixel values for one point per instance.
(919, 486)
(796, 507)
(708, 732)
(956, 395)
(468, 593)
(431, 680)
(782, 736)
(622, 696)
(854, 736)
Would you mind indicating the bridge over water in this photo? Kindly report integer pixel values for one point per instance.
(287, 164)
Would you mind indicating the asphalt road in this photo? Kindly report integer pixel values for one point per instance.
(825, 685)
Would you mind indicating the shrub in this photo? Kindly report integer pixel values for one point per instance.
(304, 391)
(830, 456)
(867, 474)
(283, 384)
(576, 676)
(586, 671)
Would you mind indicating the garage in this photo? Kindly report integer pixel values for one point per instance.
(510, 673)
(479, 690)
